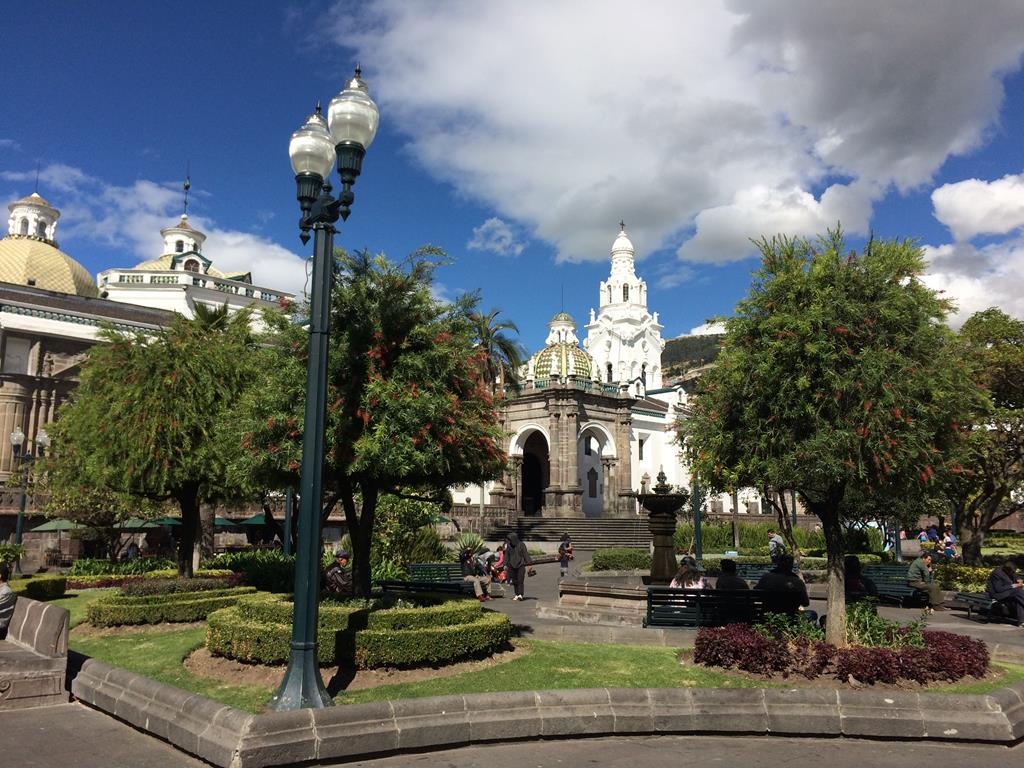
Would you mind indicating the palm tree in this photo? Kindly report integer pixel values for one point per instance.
(503, 356)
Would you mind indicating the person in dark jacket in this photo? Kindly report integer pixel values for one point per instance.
(517, 560)
(564, 555)
(857, 585)
(338, 576)
(1004, 585)
(474, 572)
(729, 579)
(791, 592)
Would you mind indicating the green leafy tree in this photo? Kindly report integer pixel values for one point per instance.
(142, 422)
(502, 356)
(837, 376)
(407, 413)
(984, 479)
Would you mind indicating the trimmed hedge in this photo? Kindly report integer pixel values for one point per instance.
(115, 580)
(115, 610)
(258, 629)
(167, 586)
(41, 587)
(95, 567)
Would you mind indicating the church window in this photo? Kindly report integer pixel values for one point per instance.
(587, 450)
(609, 294)
(609, 373)
(24, 227)
(643, 374)
(640, 449)
(592, 483)
(179, 247)
(41, 229)
(191, 265)
(16, 355)
(625, 293)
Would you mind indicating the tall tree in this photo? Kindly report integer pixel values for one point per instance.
(837, 374)
(407, 413)
(984, 481)
(143, 419)
(502, 356)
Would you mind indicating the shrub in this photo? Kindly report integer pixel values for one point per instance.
(621, 559)
(427, 547)
(269, 570)
(258, 629)
(138, 565)
(865, 627)
(164, 586)
(41, 587)
(468, 540)
(115, 610)
(962, 578)
(115, 580)
(11, 552)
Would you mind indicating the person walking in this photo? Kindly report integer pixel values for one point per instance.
(920, 576)
(564, 555)
(518, 560)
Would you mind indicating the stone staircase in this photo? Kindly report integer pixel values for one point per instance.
(586, 533)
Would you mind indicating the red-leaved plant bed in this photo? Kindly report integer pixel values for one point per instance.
(943, 657)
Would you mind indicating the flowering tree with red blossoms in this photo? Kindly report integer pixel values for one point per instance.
(408, 413)
(839, 379)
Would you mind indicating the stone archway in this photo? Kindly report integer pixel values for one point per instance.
(595, 448)
(536, 474)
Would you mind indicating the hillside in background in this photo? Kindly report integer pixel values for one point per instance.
(688, 352)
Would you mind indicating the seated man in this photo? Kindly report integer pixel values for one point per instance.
(1004, 585)
(920, 576)
(473, 572)
(729, 579)
(790, 588)
(857, 585)
(338, 576)
(7, 599)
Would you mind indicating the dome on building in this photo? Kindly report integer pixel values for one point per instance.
(562, 356)
(562, 359)
(26, 260)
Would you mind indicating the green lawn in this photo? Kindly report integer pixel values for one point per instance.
(1013, 673)
(159, 655)
(77, 602)
(552, 665)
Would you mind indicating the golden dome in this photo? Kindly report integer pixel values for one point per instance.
(31, 261)
(166, 264)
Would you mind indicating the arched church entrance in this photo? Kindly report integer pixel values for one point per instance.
(536, 474)
(593, 447)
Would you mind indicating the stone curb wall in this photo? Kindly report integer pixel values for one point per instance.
(231, 738)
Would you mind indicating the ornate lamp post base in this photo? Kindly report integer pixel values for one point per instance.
(302, 686)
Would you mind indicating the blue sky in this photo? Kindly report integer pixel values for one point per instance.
(517, 135)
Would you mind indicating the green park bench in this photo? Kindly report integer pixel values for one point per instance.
(668, 607)
(430, 578)
(891, 581)
(986, 607)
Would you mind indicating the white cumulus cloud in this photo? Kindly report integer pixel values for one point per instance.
(496, 236)
(707, 329)
(700, 124)
(131, 217)
(974, 207)
(979, 278)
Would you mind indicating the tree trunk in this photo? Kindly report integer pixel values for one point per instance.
(360, 529)
(188, 500)
(971, 540)
(207, 521)
(835, 624)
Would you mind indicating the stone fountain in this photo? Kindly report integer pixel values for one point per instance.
(662, 506)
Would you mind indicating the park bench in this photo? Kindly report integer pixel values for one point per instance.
(891, 581)
(34, 657)
(985, 606)
(753, 572)
(668, 607)
(430, 578)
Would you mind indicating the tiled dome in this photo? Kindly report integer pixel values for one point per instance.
(26, 260)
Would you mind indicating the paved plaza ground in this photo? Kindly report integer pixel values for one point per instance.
(74, 735)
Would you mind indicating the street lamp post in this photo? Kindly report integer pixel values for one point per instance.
(315, 148)
(23, 459)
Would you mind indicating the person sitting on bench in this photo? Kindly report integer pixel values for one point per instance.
(920, 576)
(729, 579)
(474, 573)
(1005, 587)
(688, 576)
(857, 585)
(790, 588)
(338, 576)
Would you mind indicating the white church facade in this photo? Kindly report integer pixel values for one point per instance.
(591, 424)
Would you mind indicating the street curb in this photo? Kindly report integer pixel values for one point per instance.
(230, 738)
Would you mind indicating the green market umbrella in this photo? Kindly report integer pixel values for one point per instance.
(137, 524)
(223, 522)
(57, 525)
(260, 519)
(167, 521)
